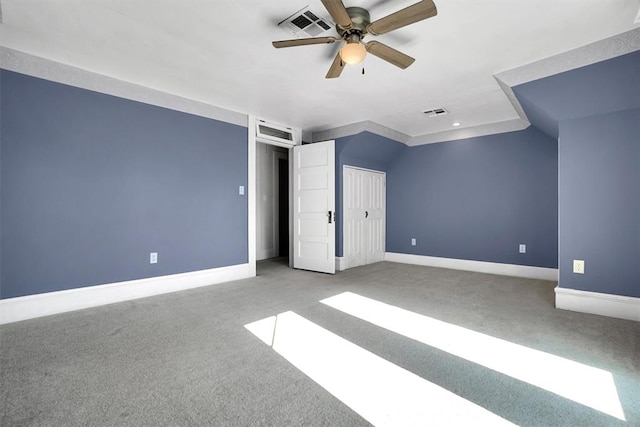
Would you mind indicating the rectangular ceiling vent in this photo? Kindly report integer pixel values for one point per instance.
(305, 23)
(435, 112)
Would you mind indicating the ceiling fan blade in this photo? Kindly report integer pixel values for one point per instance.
(336, 68)
(303, 42)
(338, 12)
(389, 54)
(409, 15)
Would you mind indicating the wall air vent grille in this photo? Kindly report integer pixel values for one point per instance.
(435, 112)
(277, 133)
(305, 23)
(280, 135)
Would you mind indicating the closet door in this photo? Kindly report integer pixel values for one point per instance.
(375, 207)
(364, 205)
(354, 217)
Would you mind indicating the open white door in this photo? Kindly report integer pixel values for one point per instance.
(314, 227)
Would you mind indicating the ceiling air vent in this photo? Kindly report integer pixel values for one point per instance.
(305, 23)
(435, 112)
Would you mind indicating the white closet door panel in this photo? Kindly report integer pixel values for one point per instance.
(375, 207)
(364, 216)
(353, 211)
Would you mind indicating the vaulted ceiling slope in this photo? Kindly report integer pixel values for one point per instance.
(600, 88)
(220, 54)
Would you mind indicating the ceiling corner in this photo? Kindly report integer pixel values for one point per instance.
(359, 127)
(471, 132)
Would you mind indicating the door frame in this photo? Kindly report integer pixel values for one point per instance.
(252, 193)
(272, 161)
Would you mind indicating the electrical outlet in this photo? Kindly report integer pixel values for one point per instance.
(413, 241)
(578, 266)
(153, 258)
(523, 248)
(241, 190)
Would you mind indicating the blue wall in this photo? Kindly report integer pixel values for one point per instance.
(365, 150)
(599, 208)
(91, 184)
(477, 199)
(594, 110)
(603, 87)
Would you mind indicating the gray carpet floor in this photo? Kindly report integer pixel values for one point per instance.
(187, 359)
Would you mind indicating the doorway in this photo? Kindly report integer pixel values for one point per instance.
(283, 207)
(311, 225)
(272, 202)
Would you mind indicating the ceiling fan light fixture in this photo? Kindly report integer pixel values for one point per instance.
(353, 52)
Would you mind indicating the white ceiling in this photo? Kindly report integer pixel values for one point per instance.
(219, 52)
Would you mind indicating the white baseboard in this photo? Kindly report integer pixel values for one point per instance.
(32, 306)
(344, 263)
(526, 271)
(617, 306)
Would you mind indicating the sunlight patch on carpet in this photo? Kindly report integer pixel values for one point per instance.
(575, 381)
(381, 392)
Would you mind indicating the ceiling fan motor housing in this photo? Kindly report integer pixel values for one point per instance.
(359, 20)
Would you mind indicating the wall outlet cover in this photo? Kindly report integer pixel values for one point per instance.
(578, 266)
(522, 248)
(153, 258)
(413, 241)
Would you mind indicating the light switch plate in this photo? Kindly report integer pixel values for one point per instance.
(578, 266)
(153, 258)
(413, 241)
(241, 190)
(523, 248)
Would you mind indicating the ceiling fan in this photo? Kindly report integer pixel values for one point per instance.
(354, 23)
